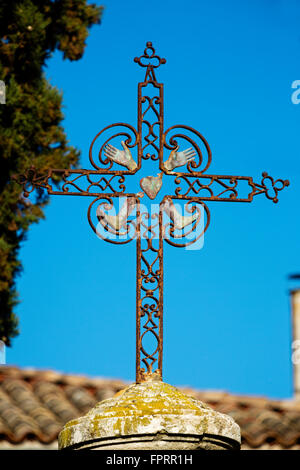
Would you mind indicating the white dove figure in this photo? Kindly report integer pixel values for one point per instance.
(118, 221)
(122, 157)
(177, 159)
(180, 221)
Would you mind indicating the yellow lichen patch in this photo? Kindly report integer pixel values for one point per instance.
(156, 398)
(64, 438)
(152, 399)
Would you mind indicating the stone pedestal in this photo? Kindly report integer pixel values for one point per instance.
(150, 416)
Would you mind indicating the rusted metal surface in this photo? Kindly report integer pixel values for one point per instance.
(177, 147)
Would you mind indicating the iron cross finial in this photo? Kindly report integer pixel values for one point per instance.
(152, 60)
(181, 153)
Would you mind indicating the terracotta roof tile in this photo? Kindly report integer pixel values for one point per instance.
(54, 399)
(80, 398)
(35, 404)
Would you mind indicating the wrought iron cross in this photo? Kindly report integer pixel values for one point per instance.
(150, 142)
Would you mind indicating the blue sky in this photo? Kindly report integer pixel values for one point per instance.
(227, 320)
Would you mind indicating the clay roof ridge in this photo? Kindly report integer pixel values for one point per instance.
(267, 435)
(53, 376)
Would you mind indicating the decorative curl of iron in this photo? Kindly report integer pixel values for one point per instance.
(149, 273)
(195, 168)
(150, 138)
(150, 285)
(150, 326)
(197, 185)
(32, 180)
(149, 309)
(131, 140)
(277, 185)
(149, 54)
(72, 182)
(101, 184)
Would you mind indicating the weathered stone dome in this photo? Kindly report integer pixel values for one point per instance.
(151, 415)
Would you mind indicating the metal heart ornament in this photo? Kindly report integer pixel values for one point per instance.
(151, 185)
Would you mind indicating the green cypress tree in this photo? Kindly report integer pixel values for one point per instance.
(30, 122)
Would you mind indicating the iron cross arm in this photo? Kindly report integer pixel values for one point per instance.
(202, 186)
(110, 152)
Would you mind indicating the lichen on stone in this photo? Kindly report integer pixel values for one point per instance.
(148, 408)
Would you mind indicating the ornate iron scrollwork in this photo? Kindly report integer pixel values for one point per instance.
(107, 184)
